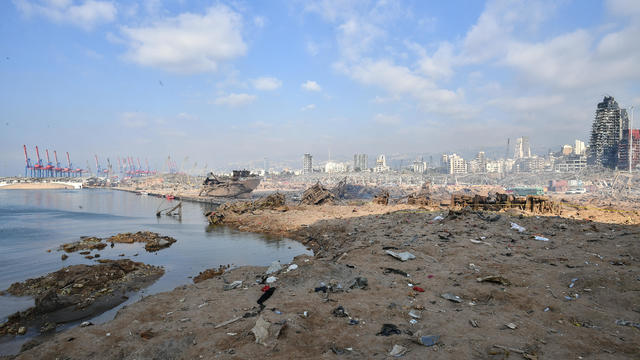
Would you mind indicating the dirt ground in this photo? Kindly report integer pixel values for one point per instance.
(575, 296)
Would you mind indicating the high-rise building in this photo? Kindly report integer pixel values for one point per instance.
(606, 133)
(579, 148)
(381, 164)
(623, 150)
(481, 159)
(307, 164)
(522, 149)
(457, 165)
(419, 166)
(360, 162)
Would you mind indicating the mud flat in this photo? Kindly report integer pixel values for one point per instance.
(486, 285)
(37, 186)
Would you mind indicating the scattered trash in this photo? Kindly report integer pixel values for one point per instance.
(428, 340)
(517, 227)
(413, 321)
(86, 323)
(305, 314)
(479, 242)
(353, 322)
(403, 256)
(495, 279)
(271, 279)
(414, 314)
(276, 311)
(628, 323)
(389, 329)
(540, 238)
(265, 288)
(573, 283)
(274, 267)
(233, 285)
(267, 294)
(359, 283)
(395, 271)
(473, 323)
(547, 309)
(228, 322)
(451, 297)
(511, 326)
(322, 288)
(340, 312)
(418, 289)
(438, 218)
(568, 298)
(292, 267)
(398, 350)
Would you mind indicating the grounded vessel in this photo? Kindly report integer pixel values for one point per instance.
(241, 183)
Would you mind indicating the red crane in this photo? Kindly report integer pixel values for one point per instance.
(38, 166)
(27, 161)
(68, 169)
(48, 169)
(57, 169)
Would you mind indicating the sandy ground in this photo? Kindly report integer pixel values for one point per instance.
(548, 318)
(36, 186)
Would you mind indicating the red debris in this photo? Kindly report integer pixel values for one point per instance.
(418, 289)
(265, 288)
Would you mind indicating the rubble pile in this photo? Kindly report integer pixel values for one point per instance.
(273, 201)
(346, 191)
(78, 291)
(422, 196)
(497, 201)
(382, 198)
(317, 195)
(85, 243)
(153, 241)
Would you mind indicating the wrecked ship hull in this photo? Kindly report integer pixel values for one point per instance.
(231, 188)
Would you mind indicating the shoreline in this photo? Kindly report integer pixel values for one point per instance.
(349, 243)
(39, 186)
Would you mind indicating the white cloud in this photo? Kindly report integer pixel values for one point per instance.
(312, 48)
(310, 85)
(188, 43)
(267, 83)
(259, 21)
(383, 119)
(308, 107)
(529, 103)
(134, 119)
(235, 100)
(85, 14)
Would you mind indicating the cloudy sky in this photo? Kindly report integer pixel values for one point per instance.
(231, 82)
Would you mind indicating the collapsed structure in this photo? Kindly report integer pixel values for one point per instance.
(497, 201)
(606, 133)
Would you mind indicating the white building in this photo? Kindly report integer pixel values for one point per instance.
(579, 148)
(419, 166)
(457, 165)
(336, 167)
(381, 164)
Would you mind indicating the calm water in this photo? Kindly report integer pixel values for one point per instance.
(34, 221)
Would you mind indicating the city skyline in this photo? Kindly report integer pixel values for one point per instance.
(224, 83)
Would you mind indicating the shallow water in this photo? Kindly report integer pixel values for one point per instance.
(34, 221)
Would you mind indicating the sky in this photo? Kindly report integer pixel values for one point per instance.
(227, 83)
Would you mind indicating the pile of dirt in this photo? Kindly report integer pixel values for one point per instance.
(317, 195)
(78, 291)
(210, 273)
(272, 201)
(153, 241)
(422, 197)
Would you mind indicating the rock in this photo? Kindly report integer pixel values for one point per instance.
(47, 327)
(359, 283)
(495, 279)
(266, 333)
(403, 256)
(22, 330)
(274, 267)
(398, 350)
(64, 257)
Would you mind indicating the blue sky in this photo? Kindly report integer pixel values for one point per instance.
(229, 83)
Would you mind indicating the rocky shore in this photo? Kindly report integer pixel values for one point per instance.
(407, 281)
